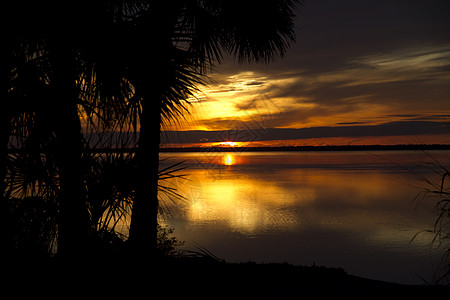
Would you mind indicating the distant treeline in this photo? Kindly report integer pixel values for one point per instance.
(310, 148)
(268, 149)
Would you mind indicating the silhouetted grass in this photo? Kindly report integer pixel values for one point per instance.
(438, 191)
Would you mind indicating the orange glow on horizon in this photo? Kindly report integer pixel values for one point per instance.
(227, 144)
(335, 141)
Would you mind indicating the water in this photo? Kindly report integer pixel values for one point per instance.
(354, 210)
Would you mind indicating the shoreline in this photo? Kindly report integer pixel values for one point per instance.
(207, 278)
(412, 147)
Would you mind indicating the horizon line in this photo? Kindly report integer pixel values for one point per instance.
(308, 148)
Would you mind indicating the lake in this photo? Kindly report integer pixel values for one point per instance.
(355, 210)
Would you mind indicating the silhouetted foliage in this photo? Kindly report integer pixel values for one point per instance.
(113, 66)
(32, 187)
(439, 191)
(33, 226)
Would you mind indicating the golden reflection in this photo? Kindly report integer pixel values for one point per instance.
(228, 159)
(332, 195)
(247, 207)
(251, 204)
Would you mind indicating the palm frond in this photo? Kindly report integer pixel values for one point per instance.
(258, 31)
(168, 187)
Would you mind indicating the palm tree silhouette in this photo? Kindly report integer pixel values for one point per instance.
(127, 65)
(50, 60)
(188, 38)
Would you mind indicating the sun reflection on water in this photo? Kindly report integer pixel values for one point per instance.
(228, 159)
(247, 205)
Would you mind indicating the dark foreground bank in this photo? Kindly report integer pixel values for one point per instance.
(196, 278)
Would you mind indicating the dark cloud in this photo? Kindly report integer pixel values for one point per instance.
(443, 117)
(330, 34)
(404, 115)
(422, 117)
(351, 123)
(255, 82)
(408, 128)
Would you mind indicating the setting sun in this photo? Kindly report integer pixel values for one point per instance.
(228, 144)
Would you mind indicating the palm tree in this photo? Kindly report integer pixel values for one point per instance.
(187, 38)
(23, 86)
(48, 67)
(133, 65)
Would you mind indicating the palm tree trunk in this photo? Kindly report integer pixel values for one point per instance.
(73, 227)
(4, 201)
(4, 137)
(150, 84)
(144, 218)
(74, 220)
(5, 131)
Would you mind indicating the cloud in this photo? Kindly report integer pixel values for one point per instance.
(255, 82)
(404, 80)
(352, 123)
(355, 63)
(403, 128)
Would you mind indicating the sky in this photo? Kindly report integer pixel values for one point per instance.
(360, 72)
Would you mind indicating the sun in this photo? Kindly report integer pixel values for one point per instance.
(229, 144)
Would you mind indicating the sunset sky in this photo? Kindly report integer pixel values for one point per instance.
(361, 72)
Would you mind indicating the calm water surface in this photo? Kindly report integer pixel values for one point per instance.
(354, 210)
